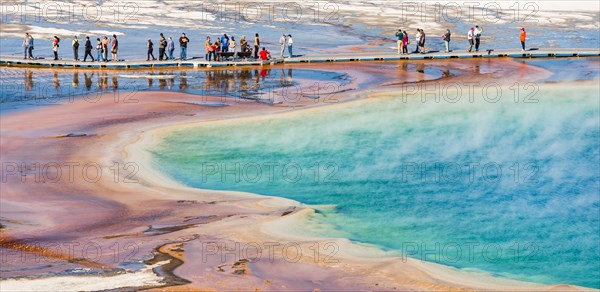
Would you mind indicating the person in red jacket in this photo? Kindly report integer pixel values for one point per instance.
(264, 54)
(523, 38)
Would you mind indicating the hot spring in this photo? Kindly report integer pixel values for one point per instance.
(510, 188)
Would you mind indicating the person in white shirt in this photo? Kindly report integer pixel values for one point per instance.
(232, 45)
(26, 44)
(417, 40)
(282, 43)
(290, 42)
(477, 33)
(470, 37)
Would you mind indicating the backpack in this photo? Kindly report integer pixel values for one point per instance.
(76, 44)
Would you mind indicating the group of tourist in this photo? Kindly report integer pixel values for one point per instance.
(473, 37)
(166, 48)
(226, 46)
(286, 41)
(102, 48)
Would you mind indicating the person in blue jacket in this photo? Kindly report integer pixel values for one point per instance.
(225, 43)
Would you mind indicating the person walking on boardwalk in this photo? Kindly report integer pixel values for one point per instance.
(55, 46)
(115, 48)
(150, 47)
(417, 40)
(208, 46)
(477, 33)
(405, 42)
(75, 45)
(422, 42)
(282, 41)
(98, 49)
(523, 37)
(446, 38)
(88, 49)
(105, 49)
(470, 37)
(171, 48)
(26, 44)
(183, 42)
(256, 45)
(400, 36)
(30, 46)
(162, 45)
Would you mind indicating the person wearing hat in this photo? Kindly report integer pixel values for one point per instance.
(162, 45)
(523, 37)
(470, 37)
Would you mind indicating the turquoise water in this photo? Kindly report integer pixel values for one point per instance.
(508, 188)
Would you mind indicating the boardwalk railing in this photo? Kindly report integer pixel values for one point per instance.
(341, 57)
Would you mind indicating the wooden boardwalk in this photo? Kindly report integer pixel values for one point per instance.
(341, 57)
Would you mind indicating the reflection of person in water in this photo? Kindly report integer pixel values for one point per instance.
(104, 80)
(75, 79)
(55, 80)
(88, 80)
(115, 82)
(183, 81)
(162, 82)
(263, 73)
(244, 76)
(421, 67)
(171, 82)
(28, 79)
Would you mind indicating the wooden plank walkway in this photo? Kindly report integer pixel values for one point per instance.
(341, 57)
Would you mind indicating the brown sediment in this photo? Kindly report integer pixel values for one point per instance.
(117, 209)
(20, 245)
(172, 253)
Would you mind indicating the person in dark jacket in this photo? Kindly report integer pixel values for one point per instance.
(183, 42)
(150, 50)
(422, 42)
(88, 49)
(446, 38)
(162, 45)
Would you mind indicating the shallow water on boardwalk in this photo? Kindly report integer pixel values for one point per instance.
(509, 187)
